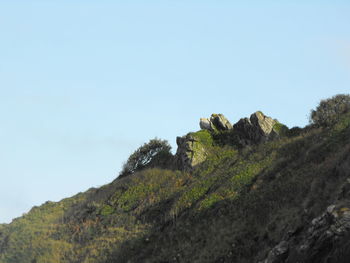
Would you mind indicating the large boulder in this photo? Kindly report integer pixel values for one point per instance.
(257, 129)
(205, 124)
(217, 122)
(263, 123)
(192, 149)
(220, 122)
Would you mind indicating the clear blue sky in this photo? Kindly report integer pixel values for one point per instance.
(84, 83)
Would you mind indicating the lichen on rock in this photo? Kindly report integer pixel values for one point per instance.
(257, 129)
(217, 122)
(193, 149)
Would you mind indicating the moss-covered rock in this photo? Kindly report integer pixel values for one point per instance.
(193, 149)
(257, 129)
(280, 129)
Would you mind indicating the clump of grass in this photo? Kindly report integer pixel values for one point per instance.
(204, 137)
(280, 129)
(107, 210)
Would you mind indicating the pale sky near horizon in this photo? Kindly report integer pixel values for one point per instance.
(84, 83)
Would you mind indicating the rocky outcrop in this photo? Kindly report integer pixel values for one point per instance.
(192, 149)
(220, 122)
(278, 253)
(263, 123)
(205, 124)
(326, 239)
(217, 122)
(247, 131)
(258, 128)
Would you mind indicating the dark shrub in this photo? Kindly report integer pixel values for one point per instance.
(330, 110)
(155, 153)
(295, 131)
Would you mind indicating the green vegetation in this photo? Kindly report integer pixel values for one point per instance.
(329, 111)
(204, 137)
(155, 153)
(233, 207)
(107, 210)
(280, 129)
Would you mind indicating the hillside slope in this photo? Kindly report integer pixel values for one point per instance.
(286, 199)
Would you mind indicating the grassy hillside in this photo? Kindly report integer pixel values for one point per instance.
(234, 207)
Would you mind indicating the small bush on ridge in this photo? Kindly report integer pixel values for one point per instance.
(155, 153)
(330, 110)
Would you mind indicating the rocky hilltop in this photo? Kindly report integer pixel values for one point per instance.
(194, 148)
(255, 191)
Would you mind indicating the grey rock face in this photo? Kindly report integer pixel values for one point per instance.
(184, 153)
(217, 122)
(205, 124)
(326, 231)
(258, 128)
(190, 152)
(325, 239)
(220, 122)
(279, 253)
(263, 123)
